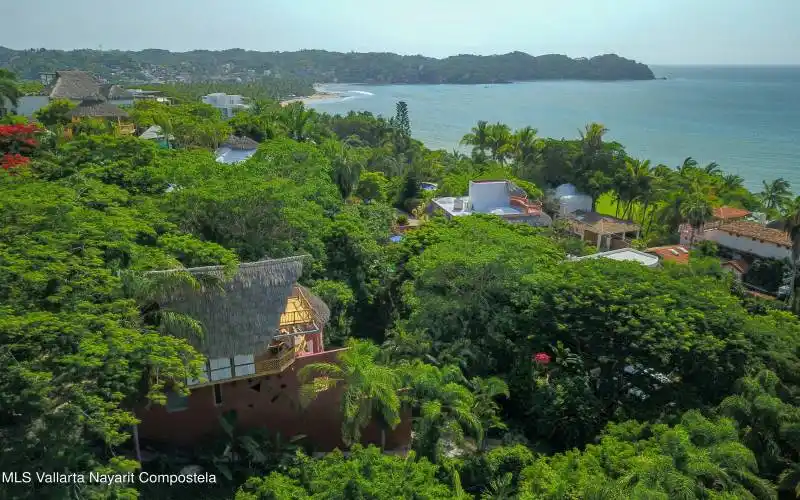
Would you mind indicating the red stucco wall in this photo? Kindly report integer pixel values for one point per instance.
(275, 407)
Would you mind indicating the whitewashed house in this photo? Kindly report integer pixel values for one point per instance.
(743, 238)
(228, 104)
(501, 197)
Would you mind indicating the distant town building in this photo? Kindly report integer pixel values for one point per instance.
(228, 104)
(496, 197)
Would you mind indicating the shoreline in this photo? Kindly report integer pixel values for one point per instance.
(316, 96)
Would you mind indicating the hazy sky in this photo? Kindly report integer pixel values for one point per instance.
(652, 31)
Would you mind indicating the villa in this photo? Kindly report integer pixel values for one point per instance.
(260, 328)
(495, 197)
(227, 104)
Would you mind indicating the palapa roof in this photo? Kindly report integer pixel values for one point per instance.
(97, 109)
(114, 92)
(242, 143)
(240, 315)
(76, 85)
(730, 213)
(602, 224)
(758, 232)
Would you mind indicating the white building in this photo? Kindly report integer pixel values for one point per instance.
(622, 254)
(744, 238)
(236, 150)
(502, 198)
(228, 104)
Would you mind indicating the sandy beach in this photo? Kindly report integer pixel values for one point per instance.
(317, 96)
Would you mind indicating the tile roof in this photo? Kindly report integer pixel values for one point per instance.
(730, 213)
(75, 85)
(758, 232)
(671, 253)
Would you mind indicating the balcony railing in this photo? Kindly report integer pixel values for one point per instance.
(528, 207)
(266, 365)
(299, 316)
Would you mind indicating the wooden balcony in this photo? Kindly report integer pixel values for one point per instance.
(272, 362)
(299, 316)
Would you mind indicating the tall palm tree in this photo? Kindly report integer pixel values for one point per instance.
(526, 151)
(689, 164)
(697, 209)
(775, 193)
(478, 137)
(368, 388)
(346, 167)
(712, 169)
(731, 183)
(298, 121)
(500, 142)
(9, 91)
(591, 137)
(791, 224)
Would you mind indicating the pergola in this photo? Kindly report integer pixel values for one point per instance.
(593, 227)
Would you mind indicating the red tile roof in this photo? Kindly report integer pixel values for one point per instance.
(671, 253)
(758, 232)
(726, 213)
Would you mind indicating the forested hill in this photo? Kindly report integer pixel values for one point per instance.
(321, 66)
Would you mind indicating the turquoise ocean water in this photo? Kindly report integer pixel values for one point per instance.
(747, 119)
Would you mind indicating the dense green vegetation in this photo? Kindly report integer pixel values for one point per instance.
(321, 66)
(527, 376)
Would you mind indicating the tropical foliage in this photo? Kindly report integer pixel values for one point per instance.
(520, 373)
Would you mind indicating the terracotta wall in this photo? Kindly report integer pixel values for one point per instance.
(271, 402)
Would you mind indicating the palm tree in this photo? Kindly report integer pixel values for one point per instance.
(689, 165)
(297, 120)
(346, 167)
(591, 137)
(697, 209)
(731, 183)
(791, 224)
(485, 407)
(500, 141)
(712, 169)
(448, 410)
(9, 92)
(368, 388)
(526, 151)
(775, 193)
(478, 138)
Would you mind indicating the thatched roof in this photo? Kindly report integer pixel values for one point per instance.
(239, 316)
(97, 109)
(76, 85)
(114, 92)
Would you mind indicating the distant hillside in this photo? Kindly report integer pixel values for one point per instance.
(320, 66)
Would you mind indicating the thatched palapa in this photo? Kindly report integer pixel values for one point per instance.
(240, 315)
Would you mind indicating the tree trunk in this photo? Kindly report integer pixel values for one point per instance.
(383, 438)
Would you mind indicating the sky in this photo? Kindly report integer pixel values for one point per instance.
(651, 31)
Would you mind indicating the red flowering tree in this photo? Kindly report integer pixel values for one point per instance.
(16, 143)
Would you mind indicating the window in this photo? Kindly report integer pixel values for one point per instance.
(217, 394)
(244, 365)
(220, 368)
(176, 402)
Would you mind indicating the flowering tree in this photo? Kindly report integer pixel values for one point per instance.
(16, 142)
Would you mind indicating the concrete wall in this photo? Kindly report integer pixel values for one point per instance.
(485, 196)
(748, 245)
(270, 402)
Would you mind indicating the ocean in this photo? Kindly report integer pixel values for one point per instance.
(747, 119)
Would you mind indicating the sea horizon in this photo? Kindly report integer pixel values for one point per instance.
(743, 117)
